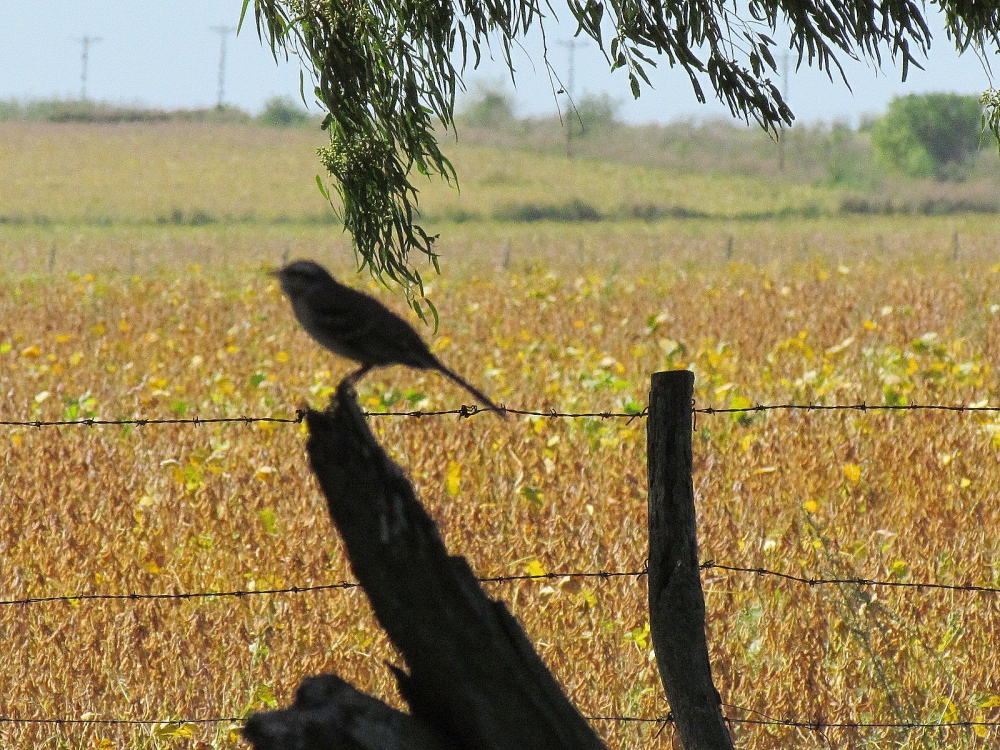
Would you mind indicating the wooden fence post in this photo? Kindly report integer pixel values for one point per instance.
(676, 601)
(472, 677)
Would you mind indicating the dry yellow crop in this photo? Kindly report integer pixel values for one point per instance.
(903, 497)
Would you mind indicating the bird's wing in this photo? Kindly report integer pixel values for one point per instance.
(367, 331)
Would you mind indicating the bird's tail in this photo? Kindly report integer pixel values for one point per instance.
(478, 394)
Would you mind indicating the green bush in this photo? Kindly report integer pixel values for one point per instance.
(929, 135)
(490, 106)
(595, 114)
(282, 112)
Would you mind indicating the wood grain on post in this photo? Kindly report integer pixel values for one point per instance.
(676, 601)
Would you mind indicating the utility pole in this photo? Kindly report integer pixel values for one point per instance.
(784, 95)
(223, 32)
(86, 41)
(571, 45)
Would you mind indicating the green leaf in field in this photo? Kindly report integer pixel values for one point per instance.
(534, 496)
(257, 379)
(265, 695)
(269, 520)
(633, 407)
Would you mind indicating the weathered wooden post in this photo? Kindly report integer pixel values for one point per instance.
(472, 678)
(676, 601)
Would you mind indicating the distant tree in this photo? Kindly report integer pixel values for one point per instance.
(282, 112)
(388, 73)
(595, 114)
(490, 106)
(925, 135)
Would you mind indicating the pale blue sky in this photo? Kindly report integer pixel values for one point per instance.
(164, 54)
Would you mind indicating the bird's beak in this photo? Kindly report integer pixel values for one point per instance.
(274, 272)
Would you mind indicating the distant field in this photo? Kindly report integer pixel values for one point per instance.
(147, 318)
(176, 173)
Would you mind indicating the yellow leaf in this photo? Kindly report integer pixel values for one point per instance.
(282, 357)
(534, 568)
(979, 729)
(639, 636)
(32, 352)
(965, 482)
(266, 473)
(62, 338)
(589, 598)
(852, 472)
(453, 480)
(740, 402)
(871, 325)
(175, 729)
(766, 470)
(98, 330)
(150, 566)
(123, 325)
(810, 506)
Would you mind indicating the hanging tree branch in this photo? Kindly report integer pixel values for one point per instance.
(387, 72)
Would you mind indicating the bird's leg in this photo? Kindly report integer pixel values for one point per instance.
(355, 376)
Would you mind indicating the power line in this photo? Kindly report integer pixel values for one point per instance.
(571, 46)
(223, 32)
(86, 40)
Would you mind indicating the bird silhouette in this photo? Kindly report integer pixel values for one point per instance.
(358, 327)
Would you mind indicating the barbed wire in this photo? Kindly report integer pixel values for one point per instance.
(242, 593)
(464, 412)
(814, 725)
(558, 575)
(471, 410)
(143, 422)
(862, 407)
(919, 585)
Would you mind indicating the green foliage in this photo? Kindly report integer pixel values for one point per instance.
(925, 135)
(89, 111)
(388, 73)
(574, 210)
(595, 114)
(282, 112)
(491, 106)
(10, 109)
(991, 112)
